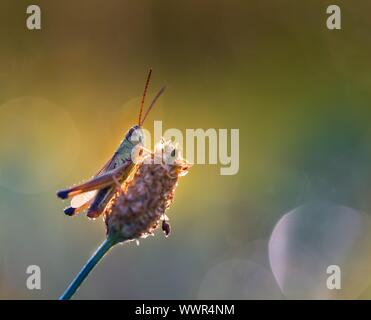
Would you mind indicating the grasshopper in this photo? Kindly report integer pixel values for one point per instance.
(95, 193)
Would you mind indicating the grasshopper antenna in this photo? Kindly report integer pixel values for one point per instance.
(153, 103)
(144, 97)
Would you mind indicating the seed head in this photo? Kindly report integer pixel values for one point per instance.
(137, 210)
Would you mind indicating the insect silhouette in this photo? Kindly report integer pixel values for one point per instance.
(95, 193)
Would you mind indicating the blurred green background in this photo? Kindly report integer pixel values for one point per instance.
(299, 93)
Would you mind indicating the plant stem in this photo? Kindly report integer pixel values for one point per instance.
(89, 266)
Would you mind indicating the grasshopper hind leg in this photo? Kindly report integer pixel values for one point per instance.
(70, 211)
(99, 203)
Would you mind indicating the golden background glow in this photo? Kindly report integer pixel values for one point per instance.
(299, 93)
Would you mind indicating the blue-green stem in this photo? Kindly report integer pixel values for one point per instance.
(89, 266)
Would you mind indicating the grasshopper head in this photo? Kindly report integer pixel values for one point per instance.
(135, 135)
(133, 138)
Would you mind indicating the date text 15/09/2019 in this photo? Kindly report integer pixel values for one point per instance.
(191, 309)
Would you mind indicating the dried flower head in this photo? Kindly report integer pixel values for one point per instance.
(139, 208)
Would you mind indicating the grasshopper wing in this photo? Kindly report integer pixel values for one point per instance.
(80, 202)
(83, 198)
